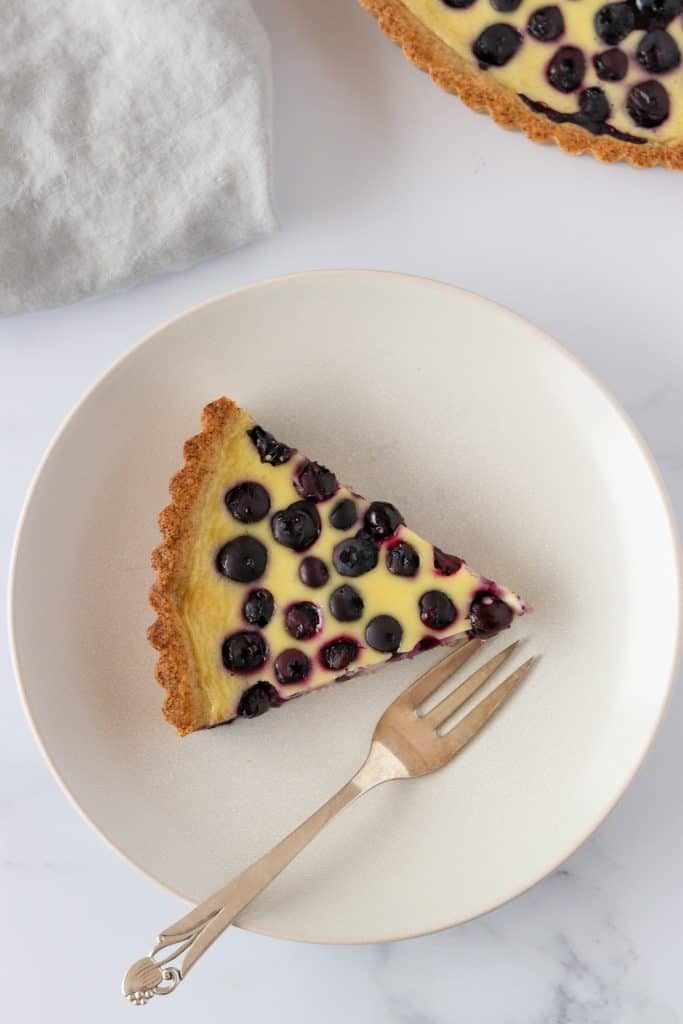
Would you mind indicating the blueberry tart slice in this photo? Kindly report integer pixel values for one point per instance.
(274, 579)
(589, 75)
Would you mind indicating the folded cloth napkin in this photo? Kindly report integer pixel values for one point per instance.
(134, 138)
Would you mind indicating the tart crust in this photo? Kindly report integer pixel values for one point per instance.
(176, 671)
(480, 91)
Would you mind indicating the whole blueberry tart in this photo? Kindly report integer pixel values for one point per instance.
(591, 76)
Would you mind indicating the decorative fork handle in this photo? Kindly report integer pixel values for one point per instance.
(193, 934)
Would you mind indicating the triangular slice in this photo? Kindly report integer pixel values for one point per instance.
(273, 579)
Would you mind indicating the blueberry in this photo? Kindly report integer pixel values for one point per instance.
(315, 482)
(546, 24)
(446, 565)
(346, 604)
(437, 611)
(243, 559)
(658, 13)
(355, 556)
(611, 65)
(303, 620)
(657, 52)
(426, 643)
(292, 666)
(258, 607)
(244, 652)
(488, 615)
(382, 520)
(648, 104)
(248, 502)
(384, 633)
(505, 6)
(297, 526)
(257, 700)
(593, 105)
(402, 559)
(567, 68)
(457, 4)
(313, 572)
(496, 45)
(344, 514)
(338, 654)
(614, 22)
(270, 450)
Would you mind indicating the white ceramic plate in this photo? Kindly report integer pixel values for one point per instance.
(495, 443)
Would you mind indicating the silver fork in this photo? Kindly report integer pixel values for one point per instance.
(405, 745)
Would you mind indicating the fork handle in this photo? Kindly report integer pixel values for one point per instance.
(194, 933)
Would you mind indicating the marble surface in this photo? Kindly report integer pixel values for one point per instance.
(376, 168)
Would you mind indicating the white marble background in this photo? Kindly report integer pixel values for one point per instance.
(376, 168)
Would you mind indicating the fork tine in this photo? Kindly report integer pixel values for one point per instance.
(430, 681)
(473, 722)
(450, 704)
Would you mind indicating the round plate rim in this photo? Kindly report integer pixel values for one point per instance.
(541, 336)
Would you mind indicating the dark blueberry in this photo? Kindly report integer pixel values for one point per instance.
(611, 65)
(488, 615)
(446, 565)
(315, 482)
(402, 559)
(657, 52)
(248, 502)
(384, 633)
(382, 520)
(244, 652)
(505, 6)
(437, 611)
(303, 620)
(593, 105)
(567, 68)
(243, 559)
(426, 644)
(292, 666)
(355, 556)
(257, 700)
(496, 45)
(346, 604)
(344, 514)
(614, 22)
(313, 572)
(338, 654)
(546, 24)
(648, 104)
(271, 451)
(457, 4)
(658, 13)
(297, 526)
(258, 607)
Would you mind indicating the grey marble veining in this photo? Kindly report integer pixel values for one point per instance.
(377, 168)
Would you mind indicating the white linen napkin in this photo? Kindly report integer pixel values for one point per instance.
(134, 138)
